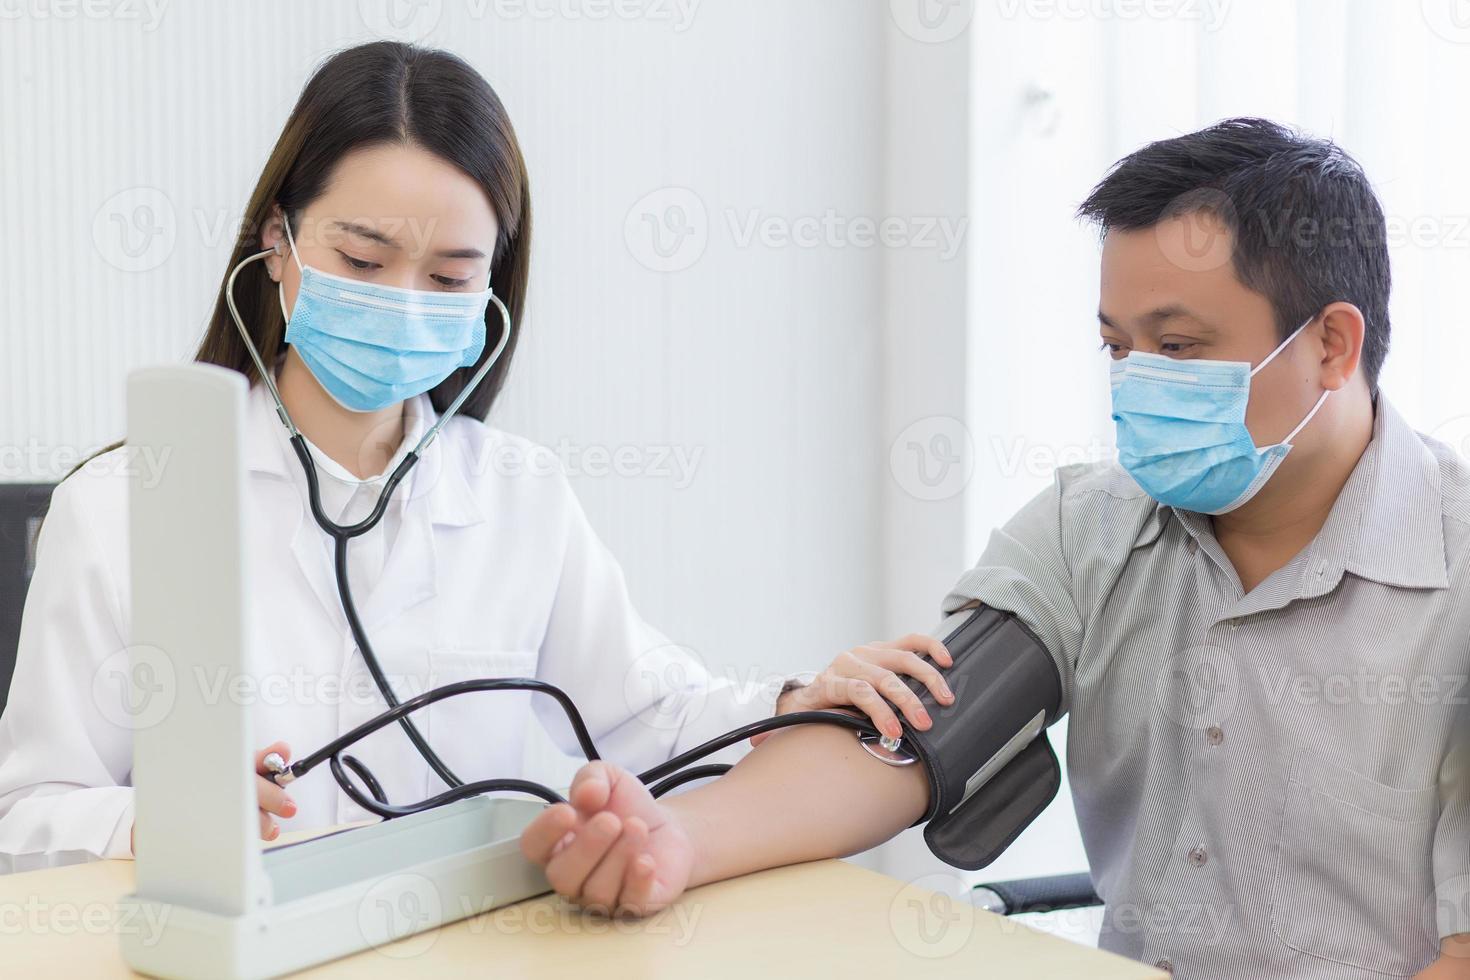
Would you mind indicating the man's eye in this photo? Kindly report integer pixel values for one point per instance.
(1112, 348)
(1176, 348)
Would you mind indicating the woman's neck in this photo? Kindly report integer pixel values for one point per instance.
(363, 443)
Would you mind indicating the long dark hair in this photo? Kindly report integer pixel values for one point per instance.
(381, 93)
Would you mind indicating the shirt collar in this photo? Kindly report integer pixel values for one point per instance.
(414, 427)
(1387, 524)
(1397, 537)
(441, 475)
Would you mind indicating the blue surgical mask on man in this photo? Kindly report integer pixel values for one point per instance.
(373, 346)
(1182, 433)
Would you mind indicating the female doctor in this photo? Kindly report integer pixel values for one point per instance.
(394, 195)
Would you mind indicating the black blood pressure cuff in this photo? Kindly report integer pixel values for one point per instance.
(991, 768)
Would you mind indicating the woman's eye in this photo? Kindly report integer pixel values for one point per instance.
(361, 265)
(1111, 348)
(452, 283)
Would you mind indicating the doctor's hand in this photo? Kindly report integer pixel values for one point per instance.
(614, 849)
(272, 798)
(867, 677)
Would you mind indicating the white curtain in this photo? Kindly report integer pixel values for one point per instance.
(1062, 89)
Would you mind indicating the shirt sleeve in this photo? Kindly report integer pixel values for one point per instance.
(1023, 571)
(1451, 852)
(64, 765)
(643, 698)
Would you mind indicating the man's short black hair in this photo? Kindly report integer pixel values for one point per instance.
(1306, 226)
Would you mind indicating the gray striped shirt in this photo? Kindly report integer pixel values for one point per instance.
(1263, 780)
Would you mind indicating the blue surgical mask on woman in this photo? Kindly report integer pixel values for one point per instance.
(373, 346)
(1182, 433)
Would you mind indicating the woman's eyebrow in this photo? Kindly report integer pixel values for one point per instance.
(371, 234)
(460, 253)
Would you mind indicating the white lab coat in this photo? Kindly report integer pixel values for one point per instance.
(493, 571)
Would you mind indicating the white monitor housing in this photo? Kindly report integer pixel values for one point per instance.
(228, 907)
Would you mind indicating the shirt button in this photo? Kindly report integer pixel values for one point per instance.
(1193, 546)
(1234, 625)
(1214, 735)
(1198, 857)
(1164, 965)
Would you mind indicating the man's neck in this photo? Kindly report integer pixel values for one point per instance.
(363, 443)
(1280, 522)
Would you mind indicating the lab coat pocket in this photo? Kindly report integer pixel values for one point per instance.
(482, 734)
(1354, 875)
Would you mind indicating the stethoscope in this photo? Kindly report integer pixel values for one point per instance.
(660, 779)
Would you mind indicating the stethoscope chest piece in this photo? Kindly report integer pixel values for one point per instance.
(885, 749)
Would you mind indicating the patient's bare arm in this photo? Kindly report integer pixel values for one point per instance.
(805, 793)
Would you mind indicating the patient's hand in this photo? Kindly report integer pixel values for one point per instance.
(615, 849)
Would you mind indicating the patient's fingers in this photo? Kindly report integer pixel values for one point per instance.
(569, 868)
(541, 836)
(600, 891)
(591, 788)
(637, 895)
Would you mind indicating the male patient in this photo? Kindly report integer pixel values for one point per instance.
(1262, 651)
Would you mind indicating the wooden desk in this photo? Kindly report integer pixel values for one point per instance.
(827, 918)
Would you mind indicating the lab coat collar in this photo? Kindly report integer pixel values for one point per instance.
(441, 476)
(410, 571)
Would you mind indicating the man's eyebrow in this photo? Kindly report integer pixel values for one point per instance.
(1160, 315)
(1172, 311)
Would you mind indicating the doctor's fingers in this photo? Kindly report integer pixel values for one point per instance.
(862, 694)
(269, 829)
(281, 748)
(915, 666)
(899, 694)
(603, 886)
(921, 643)
(273, 798)
(569, 868)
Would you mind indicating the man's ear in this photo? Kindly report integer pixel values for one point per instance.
(1342, 328)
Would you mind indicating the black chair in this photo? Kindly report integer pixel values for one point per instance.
(22, 505)
(1049, 894)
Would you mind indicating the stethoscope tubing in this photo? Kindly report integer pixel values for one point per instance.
(660, 778)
